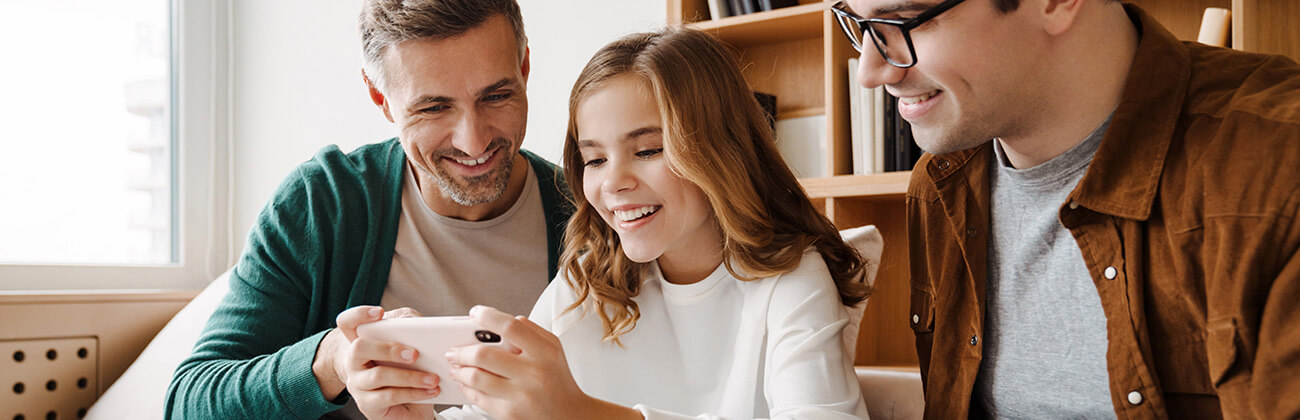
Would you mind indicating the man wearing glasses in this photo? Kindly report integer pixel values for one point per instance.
(1107, 223)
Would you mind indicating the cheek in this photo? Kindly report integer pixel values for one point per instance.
(591, 188)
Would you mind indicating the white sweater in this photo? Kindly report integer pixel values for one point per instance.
(720, 348)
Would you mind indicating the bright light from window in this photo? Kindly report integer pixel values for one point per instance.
(86, 140)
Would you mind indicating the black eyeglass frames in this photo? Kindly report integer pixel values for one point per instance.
(892, 37)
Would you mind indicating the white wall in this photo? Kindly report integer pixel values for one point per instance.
(297, 83)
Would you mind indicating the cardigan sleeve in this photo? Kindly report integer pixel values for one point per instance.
(252, 360)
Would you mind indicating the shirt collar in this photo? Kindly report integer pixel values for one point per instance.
(1125, 174)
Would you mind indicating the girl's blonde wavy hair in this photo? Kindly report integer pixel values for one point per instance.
(717, 137)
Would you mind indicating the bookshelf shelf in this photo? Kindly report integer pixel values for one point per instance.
(885, 185)
(781, 25)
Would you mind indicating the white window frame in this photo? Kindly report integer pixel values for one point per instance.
(200, 48)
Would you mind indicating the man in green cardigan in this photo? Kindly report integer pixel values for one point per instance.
(450, 214)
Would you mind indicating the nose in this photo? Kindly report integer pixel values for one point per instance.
(472, 136)
(618, 177)
(874, 71)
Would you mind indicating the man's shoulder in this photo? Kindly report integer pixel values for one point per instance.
(370, 160)
(336, 180)
(931, 169)
(1224, 82)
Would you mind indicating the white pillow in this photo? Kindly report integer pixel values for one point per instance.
(869, 243)
(140, 392)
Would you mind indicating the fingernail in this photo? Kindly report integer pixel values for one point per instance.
(434, 391)
(448, 355)
(428, 379)
(475, 310)
(408, 355)
(374, 312)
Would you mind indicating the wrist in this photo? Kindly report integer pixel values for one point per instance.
(323, 367)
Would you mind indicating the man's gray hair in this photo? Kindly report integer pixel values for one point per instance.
(390, 22)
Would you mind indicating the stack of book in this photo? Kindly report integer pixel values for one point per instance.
(719, 9)
(881, 139)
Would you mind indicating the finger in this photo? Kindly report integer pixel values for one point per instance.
(389, 397)
(402, 313)
(364, 352)
(350, 319)
(490, 357)
(380, 377)
(521, 333)
(486, 383)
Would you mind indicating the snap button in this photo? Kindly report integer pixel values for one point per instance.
(1135, 398)
(916, 318)
(943, 164)
(974, 340)
(1111, 273)
(970, 232)
(1074, 205)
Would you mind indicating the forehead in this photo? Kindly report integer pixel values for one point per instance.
(869, 8)
(615, 107)
(479, 57)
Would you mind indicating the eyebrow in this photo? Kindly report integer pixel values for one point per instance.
(430, 99)
(629, 136)
(909, 6)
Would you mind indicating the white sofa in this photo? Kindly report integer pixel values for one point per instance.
(140, 392)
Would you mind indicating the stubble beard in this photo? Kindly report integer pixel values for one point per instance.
(482, 189)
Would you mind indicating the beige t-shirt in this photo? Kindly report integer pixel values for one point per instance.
(444, 266)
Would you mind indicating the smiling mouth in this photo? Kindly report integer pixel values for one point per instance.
(636, 213)
(913, 100)
(474, 162)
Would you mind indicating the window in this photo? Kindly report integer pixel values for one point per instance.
(109, 175)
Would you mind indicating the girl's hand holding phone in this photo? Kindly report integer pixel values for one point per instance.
(528, 378)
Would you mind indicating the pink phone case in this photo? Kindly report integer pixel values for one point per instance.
(431, 337)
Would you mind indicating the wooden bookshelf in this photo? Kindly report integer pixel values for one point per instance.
(799, 55)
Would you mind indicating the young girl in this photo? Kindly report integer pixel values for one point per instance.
(697, 280)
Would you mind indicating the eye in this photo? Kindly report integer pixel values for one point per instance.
(435, 109)
(649, 153)
(594, 162)
(497, 97)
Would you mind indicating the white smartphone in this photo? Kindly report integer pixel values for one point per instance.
(431, 337)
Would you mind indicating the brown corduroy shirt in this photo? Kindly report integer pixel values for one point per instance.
(1187, 221)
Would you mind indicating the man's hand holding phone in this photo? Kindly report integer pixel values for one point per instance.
(369, 368)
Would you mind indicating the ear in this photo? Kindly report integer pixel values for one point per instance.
(376, 96)
(524, 66)
(1060, 15)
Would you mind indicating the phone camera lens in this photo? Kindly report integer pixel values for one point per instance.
(485, 336)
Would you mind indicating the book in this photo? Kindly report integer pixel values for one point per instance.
(878, 138)
(1215, 25)
(857, 138)
(719, 9)
(802, 143)
(890, 146)
(768, 103)
(743, 7)
(862, 124)
(765, 5)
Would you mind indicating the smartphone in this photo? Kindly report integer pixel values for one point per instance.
(431, 337)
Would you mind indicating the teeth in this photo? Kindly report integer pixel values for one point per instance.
(637, 213)
(913, 100)
(474, 162)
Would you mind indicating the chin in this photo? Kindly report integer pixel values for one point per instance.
(937, 142)
(639, 254)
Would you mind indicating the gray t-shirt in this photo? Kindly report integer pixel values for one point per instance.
(1045, 331)
(444, 266)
